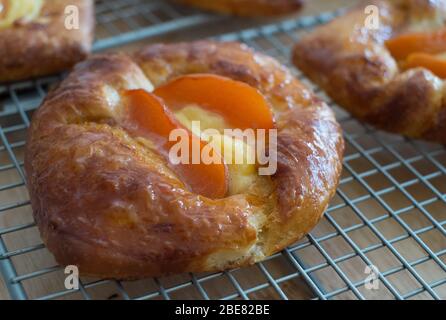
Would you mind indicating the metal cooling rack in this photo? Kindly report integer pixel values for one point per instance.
(125, 21)
(389, 210)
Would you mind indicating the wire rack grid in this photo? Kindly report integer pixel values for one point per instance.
(389, 210)
(125, 21)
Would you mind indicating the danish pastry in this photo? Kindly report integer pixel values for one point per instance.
(391, 76)
(247, 7)
(107, 199)
(41, 37)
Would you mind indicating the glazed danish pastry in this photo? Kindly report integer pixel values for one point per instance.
(247, 7)
(105, 197)
(41, 37)
(392, 76)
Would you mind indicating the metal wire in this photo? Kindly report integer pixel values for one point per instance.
(376, 196)
(125, 21)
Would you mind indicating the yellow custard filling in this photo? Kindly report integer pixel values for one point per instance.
(24, 11)
(242, 174)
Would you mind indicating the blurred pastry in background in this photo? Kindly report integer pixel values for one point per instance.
(247, 8)
(41, 37)
(391, 74)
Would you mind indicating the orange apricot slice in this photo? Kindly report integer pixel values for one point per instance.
(428, 42)
(147, 115)
(428, 61)
(241, 105)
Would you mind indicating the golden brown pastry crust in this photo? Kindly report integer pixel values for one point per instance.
(250, 8)
(111, 206)
(352, 64)
(45, 46)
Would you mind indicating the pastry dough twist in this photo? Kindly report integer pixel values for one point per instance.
(353, 65)
(107, 203)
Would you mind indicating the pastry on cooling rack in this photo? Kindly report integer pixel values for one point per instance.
(109, 195)
(247, 7)
(41, 37)
(391, 76)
